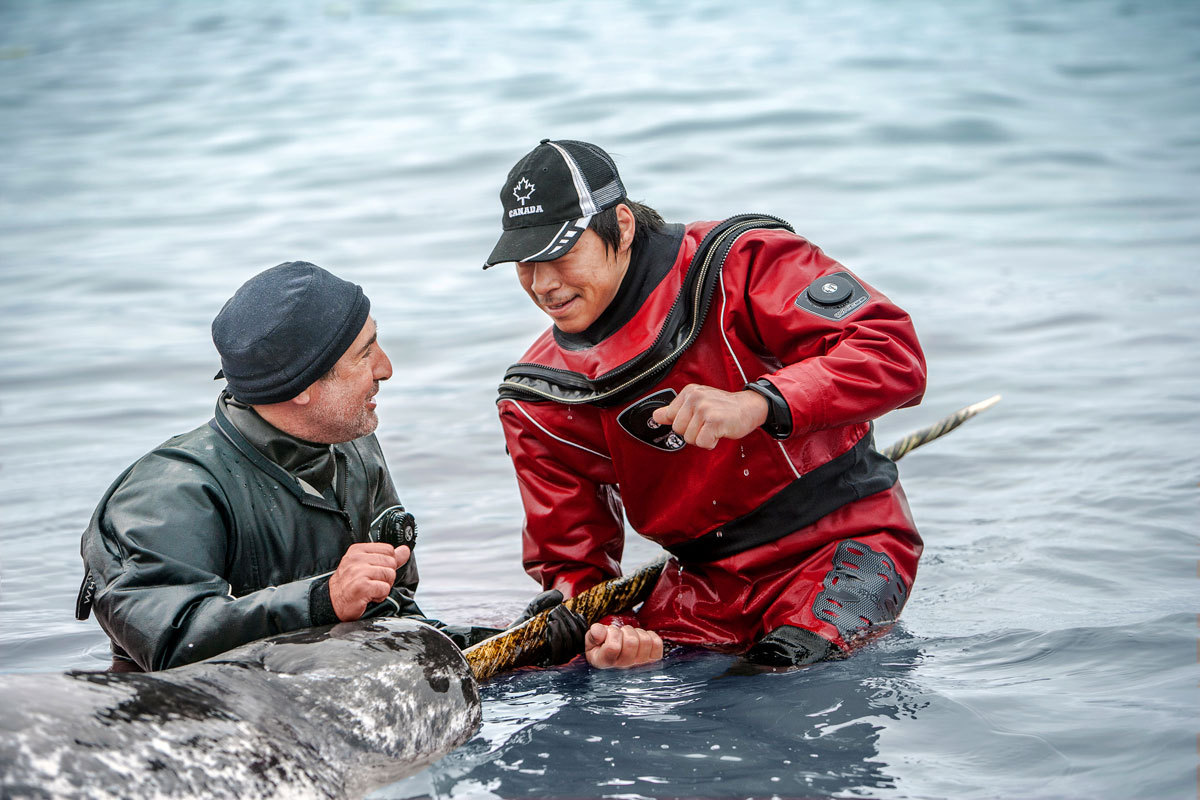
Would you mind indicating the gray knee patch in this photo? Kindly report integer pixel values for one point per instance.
(862, 589)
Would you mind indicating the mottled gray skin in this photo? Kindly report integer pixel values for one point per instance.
(326, 712)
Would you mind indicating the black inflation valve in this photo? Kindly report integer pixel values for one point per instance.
(398, 527)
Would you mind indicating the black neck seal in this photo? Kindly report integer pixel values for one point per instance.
(648, 265)
(538, 383)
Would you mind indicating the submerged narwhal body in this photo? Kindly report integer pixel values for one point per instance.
(325, 712)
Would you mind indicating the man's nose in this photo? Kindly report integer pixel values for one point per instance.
(545, 278)
(382, 369)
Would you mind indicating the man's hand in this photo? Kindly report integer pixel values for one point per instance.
(364, 575)
(703, 415)
(607, 646)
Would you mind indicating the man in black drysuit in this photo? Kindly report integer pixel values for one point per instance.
(265, 519)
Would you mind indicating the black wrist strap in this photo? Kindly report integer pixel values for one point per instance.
(779, 414)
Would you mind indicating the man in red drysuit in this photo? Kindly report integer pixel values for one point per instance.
(718, 382)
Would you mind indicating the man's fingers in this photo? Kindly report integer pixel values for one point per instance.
(376, 590)
(596, 635)
(597, 646)
(607, 647)
(356, 581)
(379, 573)
(365, 575)
(384, 556)
(707, 437)
(704, 415)
(693, 418)
(631, 651)
(356, 572)
(666, 414)
(602, 645)
(691, 433)
(680, 418)
(703, 432)
(639, 650)
(361, 560)
(373, 548)
(610, 651)
(646, 648)
(631, 647)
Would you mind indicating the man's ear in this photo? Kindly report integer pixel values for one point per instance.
(627, 225)
(302, 399)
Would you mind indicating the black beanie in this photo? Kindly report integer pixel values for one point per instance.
(284, 329)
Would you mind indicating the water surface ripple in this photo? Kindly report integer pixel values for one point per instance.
(1020, 176)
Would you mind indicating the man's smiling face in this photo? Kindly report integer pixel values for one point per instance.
(341, 404)
(575, 289)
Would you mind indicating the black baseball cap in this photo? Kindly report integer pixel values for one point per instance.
(550, 196)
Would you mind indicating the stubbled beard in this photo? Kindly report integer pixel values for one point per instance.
(365, 423)
(342, 428)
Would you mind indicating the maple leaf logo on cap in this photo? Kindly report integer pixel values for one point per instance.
(523, 190)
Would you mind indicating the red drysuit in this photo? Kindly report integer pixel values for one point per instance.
(810, 510)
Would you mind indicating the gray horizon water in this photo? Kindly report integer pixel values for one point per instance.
(1021, 177)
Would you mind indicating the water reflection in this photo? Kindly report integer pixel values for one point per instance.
(1014, 175)
(685, 728)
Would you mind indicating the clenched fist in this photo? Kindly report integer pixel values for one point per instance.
(703, 415)
(607, 646)
(364, 575)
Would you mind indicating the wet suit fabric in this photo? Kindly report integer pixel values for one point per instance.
(205, 543)
(581, 467)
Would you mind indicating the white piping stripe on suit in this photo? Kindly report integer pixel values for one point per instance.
(742, 372)
(548, 433)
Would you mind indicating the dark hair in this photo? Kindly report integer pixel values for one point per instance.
(609, 230)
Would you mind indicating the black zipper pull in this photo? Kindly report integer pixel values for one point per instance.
(87, 591)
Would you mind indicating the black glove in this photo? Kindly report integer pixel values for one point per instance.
(564, 633)
(547, 599)
(789, 646)
(564, 628)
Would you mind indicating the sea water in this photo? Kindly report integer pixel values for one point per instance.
(1019, 176)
